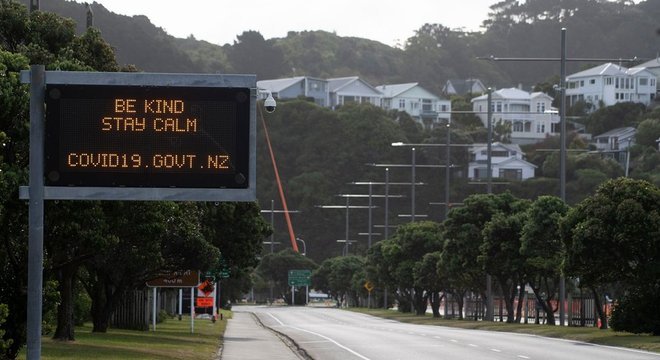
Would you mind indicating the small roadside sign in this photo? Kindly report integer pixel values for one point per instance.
(300, 278)
(369, 286)
(187, 278)
(204, 302)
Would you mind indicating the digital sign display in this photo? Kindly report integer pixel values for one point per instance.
(147, 136)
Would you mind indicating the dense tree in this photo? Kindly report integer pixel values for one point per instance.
(463, 239)
(398, 263)
(429, 277)
(541, 248)
(500, 254)
(648, 131)
(252, 54)
(613, 235)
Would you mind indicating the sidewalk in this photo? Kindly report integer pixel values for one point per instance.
(246, 339)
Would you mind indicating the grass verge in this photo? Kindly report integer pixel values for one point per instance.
(586, 334)
(171, 340)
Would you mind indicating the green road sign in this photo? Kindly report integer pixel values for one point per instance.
(300, 277)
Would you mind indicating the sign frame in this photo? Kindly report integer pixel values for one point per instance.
(299, 278)
(155, 193)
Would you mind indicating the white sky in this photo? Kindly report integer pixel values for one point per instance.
(220, 21)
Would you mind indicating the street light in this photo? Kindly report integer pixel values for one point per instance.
(304, 253)
(371, 195)
(348, 206)
(272, 212)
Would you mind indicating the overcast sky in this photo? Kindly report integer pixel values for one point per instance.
(219, 21)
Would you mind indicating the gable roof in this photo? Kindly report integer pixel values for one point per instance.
(600, 70)
(463, 86)
(338, 84)
(654, 63)
(619, 132)
(278, 85)
(510, 147)
(395, 90)
(508, 93)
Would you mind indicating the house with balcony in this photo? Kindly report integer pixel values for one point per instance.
(615, 144)
(530, 115)
(507, 162)
(295, 87)
(609, 84)
(464, 87)
(428, 109)
(654, 67)
(352, 89)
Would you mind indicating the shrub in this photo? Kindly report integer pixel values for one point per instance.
(637, 311)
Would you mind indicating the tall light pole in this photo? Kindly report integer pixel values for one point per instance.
(447, 169)
(272, 212)
(562, 159)
(347, 241)
(490, 311)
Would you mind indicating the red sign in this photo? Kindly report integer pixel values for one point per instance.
(204, 302)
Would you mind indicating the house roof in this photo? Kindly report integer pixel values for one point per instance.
(394, 90)
(516, 160)
(335, 84)
(510, 147)
(463, 86)
(618, 132)
(338, 84)
(508, 93)
(600, 70)
(654, 63)
(278, 85)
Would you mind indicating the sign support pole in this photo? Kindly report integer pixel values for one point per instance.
(180, 303)
(215, 300)
(293, 293)
(153, 314)
(192, 309)
(36, 212)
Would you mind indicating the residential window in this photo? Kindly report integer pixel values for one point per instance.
(443, 108)
(608, 81)
(540, 107)
(616, 83)
(643, 81)
(511, 174)
(517, 126)
(540, 128)
(500, 153)
(592, 81)
(581, 83)
(402, 103)
(498, 106)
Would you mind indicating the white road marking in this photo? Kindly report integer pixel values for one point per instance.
(321, 336)
(495, 350)
(472, 345)
(523, 357)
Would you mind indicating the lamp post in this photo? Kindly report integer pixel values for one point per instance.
(371, 195)
(304, 253)
(348, 206)
(272, 212)
(447, 166)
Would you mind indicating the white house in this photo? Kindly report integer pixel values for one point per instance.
(428, 109)
(291, 88)
(616, 139)
(531, 115)
(609, 84)
(506, 162)
(654, 67)
(352, 90)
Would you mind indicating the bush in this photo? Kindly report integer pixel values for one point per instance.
(4, 343)
(637, 311)
(82, 308)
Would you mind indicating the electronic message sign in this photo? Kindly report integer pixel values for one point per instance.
(147, 136)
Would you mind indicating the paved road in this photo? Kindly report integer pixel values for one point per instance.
(328, 334)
